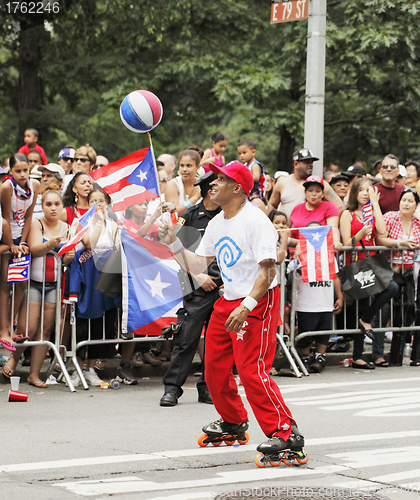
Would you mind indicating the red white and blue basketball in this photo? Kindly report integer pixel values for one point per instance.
(141, 111)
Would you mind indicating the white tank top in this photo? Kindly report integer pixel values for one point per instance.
(106, 240)
(18, 208)
(181, 198)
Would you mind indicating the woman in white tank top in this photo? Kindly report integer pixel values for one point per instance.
(181, 190)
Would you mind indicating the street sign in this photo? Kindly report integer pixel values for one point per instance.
(289, 10)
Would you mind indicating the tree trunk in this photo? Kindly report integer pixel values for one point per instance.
(30, 84)
(285, 151)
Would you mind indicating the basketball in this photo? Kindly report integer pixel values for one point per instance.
(141, 111)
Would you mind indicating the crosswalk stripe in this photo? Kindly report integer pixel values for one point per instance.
(210, 450)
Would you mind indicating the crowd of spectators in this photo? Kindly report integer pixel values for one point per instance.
(42, 202)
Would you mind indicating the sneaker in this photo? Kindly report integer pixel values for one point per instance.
(92, 377)
(99, 364)
(127, 335)
(318, 364)
(75, 379)
(125, 376)
(137, 359)
(150, 358)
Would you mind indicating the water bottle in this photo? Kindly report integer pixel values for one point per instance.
(407, 355)
(346, 362)
(114, 384)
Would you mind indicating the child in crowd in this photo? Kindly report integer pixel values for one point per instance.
(46, 237)
(215, 153)
(315, 305)
(31, 138)
(247, 150)
(18, 197)
(279, 220)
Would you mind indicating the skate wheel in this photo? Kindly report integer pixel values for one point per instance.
(229, 440)
(275, 463)
(216, 443)
(244, 441)
(303, 459)
(259, 461)
(201, 439)
(288, 461)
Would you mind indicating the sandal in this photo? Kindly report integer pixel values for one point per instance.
(7, 344)
(7, 371)
(19, 339)
(382, 364)
(164, 358)
(38, 385)
(415, 363)
(367, 331)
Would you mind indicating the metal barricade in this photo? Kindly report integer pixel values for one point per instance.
(291, 352)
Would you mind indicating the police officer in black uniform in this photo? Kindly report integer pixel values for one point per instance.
(200, 293)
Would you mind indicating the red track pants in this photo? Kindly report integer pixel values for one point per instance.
(252, 351)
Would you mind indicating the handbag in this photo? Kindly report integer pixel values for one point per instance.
(109, 282)
(366, 277)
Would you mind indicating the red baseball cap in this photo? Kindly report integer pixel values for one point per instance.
(237, 171)
(314, 179)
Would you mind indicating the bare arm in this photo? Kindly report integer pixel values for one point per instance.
(191, 262)
(275, 198)
(262, 284)
(331, 195)
(172, 195)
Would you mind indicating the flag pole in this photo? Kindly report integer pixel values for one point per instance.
(156, 172)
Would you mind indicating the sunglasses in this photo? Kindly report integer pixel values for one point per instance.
(392, 167)
(67, 158)
(83, 160)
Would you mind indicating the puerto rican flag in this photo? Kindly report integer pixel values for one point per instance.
(317, 254)
(151, 290)
(367, 214)
(129, 181)
(84, 224)
(18, 270)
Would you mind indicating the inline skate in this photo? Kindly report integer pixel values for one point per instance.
(276, 450)
(220, 431)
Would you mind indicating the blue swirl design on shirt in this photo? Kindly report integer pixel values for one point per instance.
(228, 254)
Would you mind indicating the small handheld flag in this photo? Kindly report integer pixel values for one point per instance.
(84, 223)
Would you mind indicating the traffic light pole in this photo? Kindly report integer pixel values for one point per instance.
(315, 82)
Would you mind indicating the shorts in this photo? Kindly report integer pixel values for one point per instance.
(35, 292)
(312, 322)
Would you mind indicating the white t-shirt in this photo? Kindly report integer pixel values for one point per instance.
(314, 297)
(239, 245)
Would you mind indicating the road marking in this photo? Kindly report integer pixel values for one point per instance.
(210, 450)
(136, 485)
(311, 387)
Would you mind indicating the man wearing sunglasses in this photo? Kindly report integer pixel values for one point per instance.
(389, 189)
(66, 158)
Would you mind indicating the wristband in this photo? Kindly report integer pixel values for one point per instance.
(188, 204)
(23, 243)
(175, 246)
(249, 303)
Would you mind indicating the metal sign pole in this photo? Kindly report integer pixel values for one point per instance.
(315, 82)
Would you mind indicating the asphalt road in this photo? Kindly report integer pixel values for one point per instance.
(361, 430)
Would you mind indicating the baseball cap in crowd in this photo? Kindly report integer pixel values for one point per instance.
(36, 172)
(314, 179)
(355, 170)
(205, 180)
(53, 167)
(66, 153)
(402, 171)
(281, 173)
(304, 154)
(237, 171)
(339, 177)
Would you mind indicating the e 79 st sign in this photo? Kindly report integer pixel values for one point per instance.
(289, 10)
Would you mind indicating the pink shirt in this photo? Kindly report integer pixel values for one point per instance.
(301, 216)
